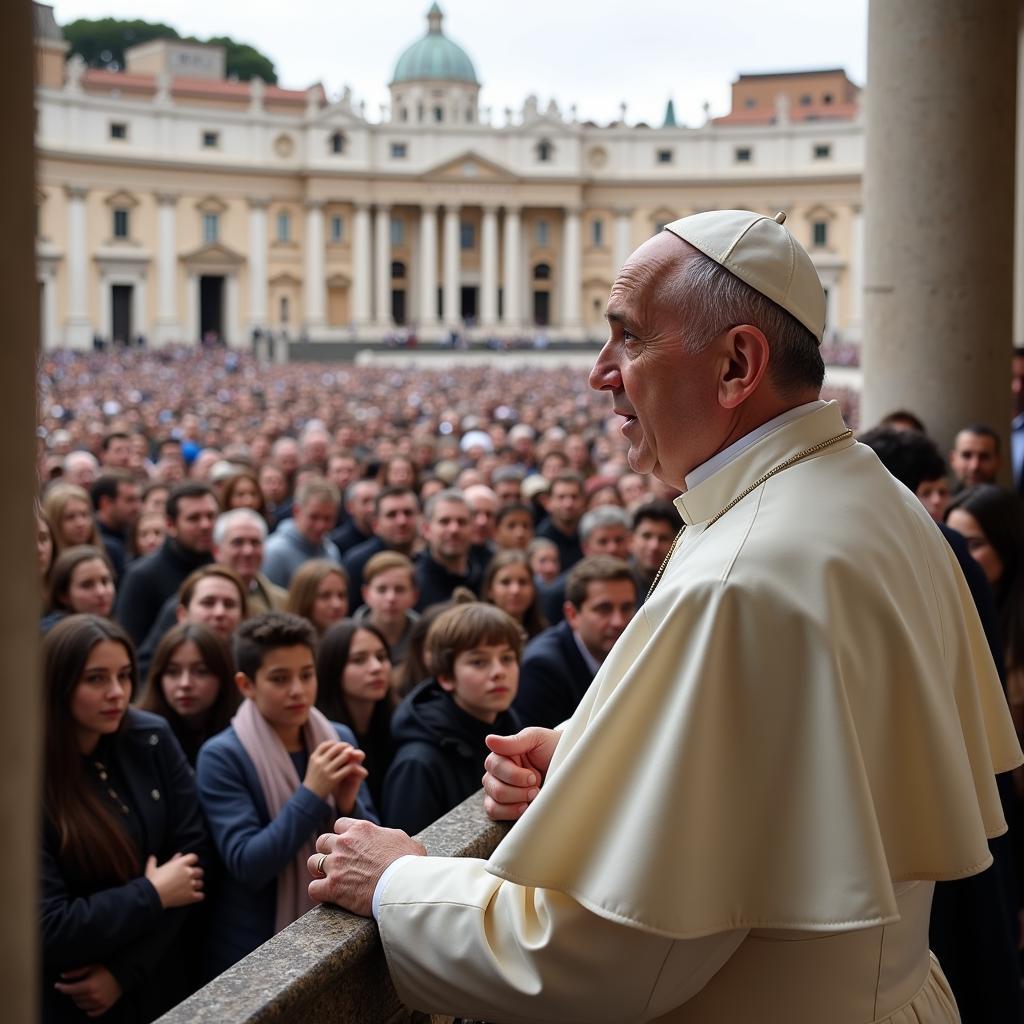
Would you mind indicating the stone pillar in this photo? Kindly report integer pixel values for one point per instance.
(428, 266)
(20, 601)
(362, 266)
(166, 326)
(452, 297)
(49, 332)
(512, 314)
(571, 277)
(314, 287)
(257, 264)
(232, 329)
(489, 268)
(623, 239)
(77, 326)
(855, 329)
(382, 261)
(938, 296)
(1018, 248)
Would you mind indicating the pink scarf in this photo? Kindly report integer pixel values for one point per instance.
(279, 780)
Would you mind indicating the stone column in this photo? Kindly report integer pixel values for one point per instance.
(623, 239)
(489, 267)
(382, 261)
(49, 331)
(938, 297)
(855, 328)
(166, 326)
(571, 257)
(512, 315)
(257, 264)
(428, 266)
(1018, 248)
(314, 286)
(362, 266)
(77, 326)
(452, 297)
(20, 600)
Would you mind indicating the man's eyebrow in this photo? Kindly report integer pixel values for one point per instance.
(614, 316)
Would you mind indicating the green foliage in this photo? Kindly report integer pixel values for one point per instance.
(102, 42)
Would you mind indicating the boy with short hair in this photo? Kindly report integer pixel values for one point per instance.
(389, 597)
(439, 729)
(268, 784)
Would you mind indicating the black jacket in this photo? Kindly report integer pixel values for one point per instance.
(568, 544)
(436, 584)
(346, 535)
(113, 542)
(150, 581)
(355, 561)
(124, 927)
(439, 758)
(552, 678)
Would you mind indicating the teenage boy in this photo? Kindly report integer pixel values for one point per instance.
(389, 597)
(474, 651)
(278, 775)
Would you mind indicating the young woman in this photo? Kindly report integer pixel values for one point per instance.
(243, 491)
(353, 671)
(319, 592)
(147, 533)
(44, 547)
(508, 583)
(191, 684)
(215, 596)
(82, 580)
(122, 836)
(389, 599)
(70, 513)
(544, 560)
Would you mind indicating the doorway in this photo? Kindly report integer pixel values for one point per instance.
(121, 296)
(398, 306)
(211, 308)
(542, 308)
(467, 309)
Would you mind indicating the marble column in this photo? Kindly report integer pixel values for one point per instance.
(362, 267)
(452, 296)
(166, 326)
(571, 276)
(489, 267)
(382, 266)
(428, 266)
(258, 264)
(77, 326)
(938, 296)
(512, 314)
(1018, 248)
(314, 285)
(623, 239)
(856, 318)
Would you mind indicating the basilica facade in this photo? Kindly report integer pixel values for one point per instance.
(177, 205)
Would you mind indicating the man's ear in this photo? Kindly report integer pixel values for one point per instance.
(744, 360)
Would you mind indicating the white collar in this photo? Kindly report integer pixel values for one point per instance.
(726, 455)
(591, 662)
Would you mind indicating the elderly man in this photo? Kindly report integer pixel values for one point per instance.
(238, 540)
(799, 732)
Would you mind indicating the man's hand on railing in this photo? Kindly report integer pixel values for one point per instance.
(348, 862)
(515, 772)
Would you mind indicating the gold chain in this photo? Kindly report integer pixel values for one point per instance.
(792, 460)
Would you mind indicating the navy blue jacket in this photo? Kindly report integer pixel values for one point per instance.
(124, 927)
(552, 678)
(253, 848)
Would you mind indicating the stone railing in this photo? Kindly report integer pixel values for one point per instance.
(329, 967)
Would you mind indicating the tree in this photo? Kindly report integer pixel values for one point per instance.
(103, 41)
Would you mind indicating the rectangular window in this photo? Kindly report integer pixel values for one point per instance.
(397, 231)
(542, 233)
(118, 130)
(467, 237)
(284, 227)
(744, 155)
(337, 228)
(211, 140)
(822, 151)
(664, 156)
(820, 229)
(398, 150)
(211, 227)
(120, 223)
(597, 233)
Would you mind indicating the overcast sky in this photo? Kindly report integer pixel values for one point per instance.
(592, 53)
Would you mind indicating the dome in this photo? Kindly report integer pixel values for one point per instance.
(434, 57)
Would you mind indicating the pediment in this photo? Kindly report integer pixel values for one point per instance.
(469, 166)
(597, 282)
(215, 254)
(284, 280)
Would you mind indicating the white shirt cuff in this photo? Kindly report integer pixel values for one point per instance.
(382, 883)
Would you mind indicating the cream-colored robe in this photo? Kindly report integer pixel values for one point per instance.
(802, 722)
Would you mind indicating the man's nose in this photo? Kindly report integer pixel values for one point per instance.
(605, 374)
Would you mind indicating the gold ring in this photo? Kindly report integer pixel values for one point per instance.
(320, 865)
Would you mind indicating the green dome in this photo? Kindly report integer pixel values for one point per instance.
(434, 57)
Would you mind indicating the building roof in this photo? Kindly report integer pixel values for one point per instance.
(201, 87)
(434, 57)
(797, 112)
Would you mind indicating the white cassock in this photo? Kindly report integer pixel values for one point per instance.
(792, 740)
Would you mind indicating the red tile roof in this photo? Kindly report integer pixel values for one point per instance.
(812, 112)
(201, 87)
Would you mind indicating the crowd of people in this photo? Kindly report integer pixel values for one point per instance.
(274, 595)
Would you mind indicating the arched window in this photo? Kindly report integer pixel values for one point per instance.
(545, 151)
(542, 272)
(398, 269)
(337, 142)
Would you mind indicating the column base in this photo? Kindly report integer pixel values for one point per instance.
(166, 332)
(78, 332)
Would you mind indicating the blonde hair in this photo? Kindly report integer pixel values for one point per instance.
(384, 561)
(54, 503)
(305, 583)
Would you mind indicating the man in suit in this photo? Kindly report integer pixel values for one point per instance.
(559, 664)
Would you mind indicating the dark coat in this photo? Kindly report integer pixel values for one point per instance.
(253, 848)
(150, 581)
(569, 548)
(124, 927)
(439, 758)
(436, 584)
(114, 543)
(346, 535)
(552, 678)
(355, 561)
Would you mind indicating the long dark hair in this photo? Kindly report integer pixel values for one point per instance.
(1001, 517)
(216, 655)
(92, 845)
(331, 660)
(533, 621)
